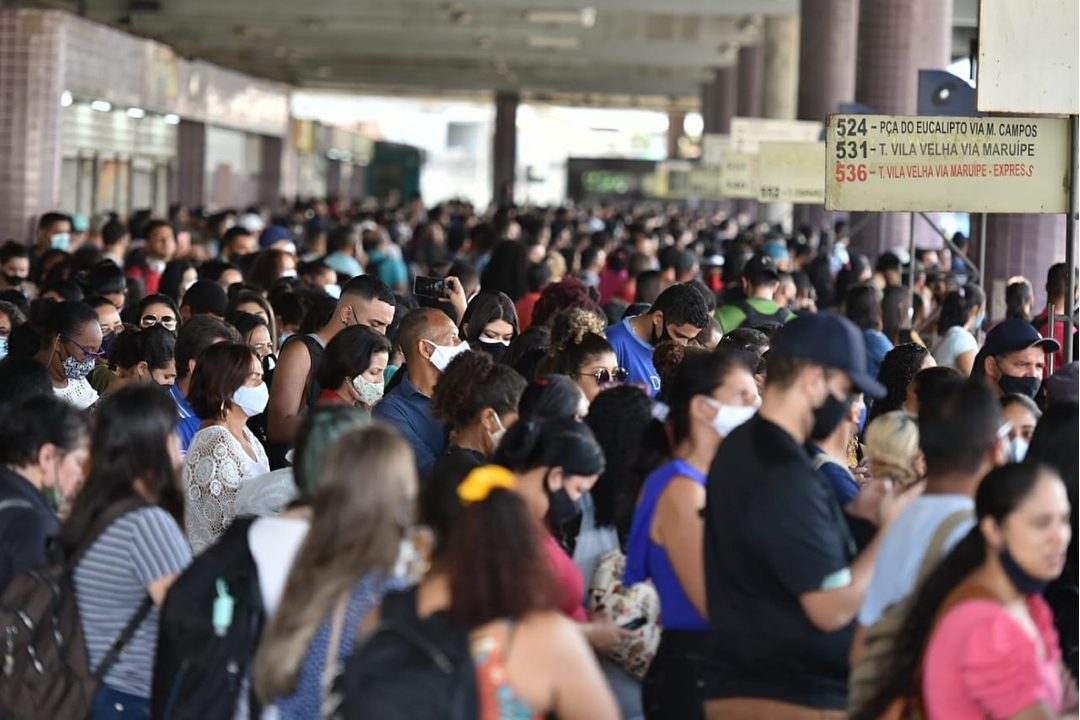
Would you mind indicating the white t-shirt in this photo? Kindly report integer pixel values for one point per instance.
(274, 542)
(896, 568)
(956, 342)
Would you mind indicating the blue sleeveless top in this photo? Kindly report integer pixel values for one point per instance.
(645, 560)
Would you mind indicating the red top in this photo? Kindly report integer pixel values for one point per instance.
(524, 307)
(570, 584)
(330, 397)
(982, 663)
(151, 280)
(1041, 324)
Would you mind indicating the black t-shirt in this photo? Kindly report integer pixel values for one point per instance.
(773, 531)
(26, 524)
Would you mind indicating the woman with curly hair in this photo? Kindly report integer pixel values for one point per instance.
(898, 369)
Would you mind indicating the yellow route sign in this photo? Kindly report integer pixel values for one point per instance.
(948, 164)
(791, 172)
(738, 176)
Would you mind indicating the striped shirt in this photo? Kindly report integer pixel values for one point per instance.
(110, 583)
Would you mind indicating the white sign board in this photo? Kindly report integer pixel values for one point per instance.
(1029, 56)
(748, 133)
(792, 172)
(713, 149)
(948, 164)
(738, 176)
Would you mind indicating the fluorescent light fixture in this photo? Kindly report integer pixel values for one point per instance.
(101, 106)
(172, 119)
(137, 113)
(585, 17)
(66, 98)
(554, 42)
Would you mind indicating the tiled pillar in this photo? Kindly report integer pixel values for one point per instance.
(1018, 245)
(718, 100)
(504, 148)
(781, 88)
(826, 69)
(191, 163)
(751, 69)
(270, 173)
(897, 38)
(31, 76)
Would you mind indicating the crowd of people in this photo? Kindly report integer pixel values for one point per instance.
(348, 460)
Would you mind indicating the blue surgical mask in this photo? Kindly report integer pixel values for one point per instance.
(60, 241)
(3, 347)
(979, 320)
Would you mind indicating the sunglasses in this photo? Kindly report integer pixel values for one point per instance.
(166, 321)
(605, 377)
(95, 354)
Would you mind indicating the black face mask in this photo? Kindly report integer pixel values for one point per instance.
(828, 416)
(14, 280)
(563, 510)
(107, 341)
(655, 338)
(1023, 385)
(1024, 582)
(496, 350)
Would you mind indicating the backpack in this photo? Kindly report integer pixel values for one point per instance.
(881, 636)
(197, 673)
(46, 668)
(759, 320)
(410, 668)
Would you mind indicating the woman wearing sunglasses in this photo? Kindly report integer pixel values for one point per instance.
(65, 337)
(591, 363)
(159, 310)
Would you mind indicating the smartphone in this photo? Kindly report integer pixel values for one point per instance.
(429, 287)
(634, 624)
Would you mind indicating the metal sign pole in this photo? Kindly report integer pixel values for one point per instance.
(1070, 239)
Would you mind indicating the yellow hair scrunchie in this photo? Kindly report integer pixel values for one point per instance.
(481, 481)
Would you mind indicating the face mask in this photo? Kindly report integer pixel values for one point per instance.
(979, 320)
(75, 370)
(14, 280)
(187, 286)
(495, 348)
(828, 416)
(107, 341)
(333, 291)
(369, 392)
(3, 347)
(443, 354)
(291, 273)
(1018, 448)
(1025, 583)
(269, 363)
(60, 241)
(729, 417)
(563, 510)
(498, 434)
(655, 338)
(1024, 385)
(252, 400)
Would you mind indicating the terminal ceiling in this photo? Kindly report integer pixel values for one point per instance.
(636, 52)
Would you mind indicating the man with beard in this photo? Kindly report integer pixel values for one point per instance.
(678, 315)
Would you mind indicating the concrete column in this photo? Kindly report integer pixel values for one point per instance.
(719, 99)
(504, 147)
(896, 39)
(191, 163)
(751, 70)
(827, 52)
(270, 173)
(781, 41)
(31, 72)
(674, 132)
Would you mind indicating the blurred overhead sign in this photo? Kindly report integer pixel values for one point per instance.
(791, 172)
(1028, 59)
(748, 133)
(739, 176)
(974, 164)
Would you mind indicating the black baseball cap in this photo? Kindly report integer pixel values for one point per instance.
(760, 268)
(830, 340)
(1016, 334)
(206, 297)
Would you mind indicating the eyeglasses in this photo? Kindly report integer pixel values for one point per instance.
(603, 376)
(95, 354)
(166, 321)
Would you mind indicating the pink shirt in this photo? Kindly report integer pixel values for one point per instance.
(981, 663)
(569, 582)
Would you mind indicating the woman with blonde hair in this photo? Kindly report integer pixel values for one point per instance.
(892, 448)
(342, 570)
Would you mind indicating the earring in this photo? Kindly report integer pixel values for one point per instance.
(224, 408)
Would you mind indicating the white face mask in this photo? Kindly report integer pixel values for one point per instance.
(252, 400)
(729, 417)
(369, 392)
(333, 291)
(1018, 449)
(290, 273)
(443, 354)
(497, 436)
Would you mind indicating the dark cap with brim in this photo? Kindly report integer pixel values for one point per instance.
(832, 341)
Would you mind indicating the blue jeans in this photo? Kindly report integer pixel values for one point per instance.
(110, 704)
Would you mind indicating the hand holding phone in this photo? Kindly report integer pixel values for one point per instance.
(429, 287)
(635, 624)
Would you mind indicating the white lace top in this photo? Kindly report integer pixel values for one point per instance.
(78, 393)
(215, 467)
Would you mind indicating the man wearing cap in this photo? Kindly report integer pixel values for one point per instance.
(783, 582)
(760, 279)
(1013, 358)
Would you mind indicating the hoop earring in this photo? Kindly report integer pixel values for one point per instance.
(224, 408)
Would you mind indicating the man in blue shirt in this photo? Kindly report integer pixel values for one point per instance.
(678, 315)
(429, 339)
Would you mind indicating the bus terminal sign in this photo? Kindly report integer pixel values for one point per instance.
(948, 164)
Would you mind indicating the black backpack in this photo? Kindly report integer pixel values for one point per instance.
(46, 671)
(198, 675)
(411, 668)
(759, 320)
